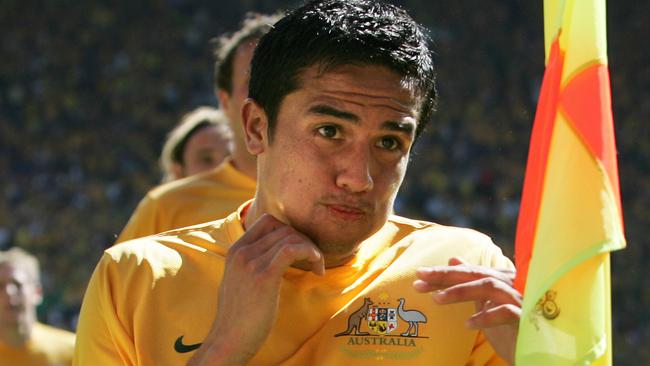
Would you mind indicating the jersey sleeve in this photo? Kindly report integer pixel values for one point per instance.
(495, 258)
(102, 338)
(143, 222)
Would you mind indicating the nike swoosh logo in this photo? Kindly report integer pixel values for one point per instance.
(184, 348)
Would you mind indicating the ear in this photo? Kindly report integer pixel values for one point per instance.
(224, 100)
(255, 127)
(38, 294)
(176, 171)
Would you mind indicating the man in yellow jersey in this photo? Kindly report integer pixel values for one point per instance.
(23, 340)
(314, 270)
(216, 193)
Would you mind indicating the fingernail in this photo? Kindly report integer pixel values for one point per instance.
(419, 285)
(320, 271)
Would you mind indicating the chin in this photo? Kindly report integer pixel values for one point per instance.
(336, 237)
(341, 242)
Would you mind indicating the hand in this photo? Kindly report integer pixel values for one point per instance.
(249, 291)
(498, 304)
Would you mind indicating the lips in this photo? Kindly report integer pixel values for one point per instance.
(345, 212)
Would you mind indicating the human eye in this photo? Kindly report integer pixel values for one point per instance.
(390, 143)
(329, 131)
(204, 158)
(207, 160)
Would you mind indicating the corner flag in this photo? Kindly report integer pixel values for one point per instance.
(570, 217)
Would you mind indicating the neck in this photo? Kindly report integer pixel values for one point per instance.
(243, 161)
(16, 336)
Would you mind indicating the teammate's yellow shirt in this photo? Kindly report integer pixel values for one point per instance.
(189, 201)
(152, 301)
(48, 346)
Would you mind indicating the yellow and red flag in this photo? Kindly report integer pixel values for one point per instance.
(570, 216)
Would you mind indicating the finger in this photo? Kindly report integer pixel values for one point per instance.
(265, 224)
(290, 250)
(290, 253)
(257, 248)
(318, 267)
(446, 276)
(481, 290)
(424, 286)
(495, 316)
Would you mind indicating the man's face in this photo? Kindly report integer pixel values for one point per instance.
(338, 155)
(206, 149)
(19, 296)
(231, 103)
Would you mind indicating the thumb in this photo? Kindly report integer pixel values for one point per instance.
(318, 264)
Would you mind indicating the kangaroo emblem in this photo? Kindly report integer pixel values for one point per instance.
(354, 321)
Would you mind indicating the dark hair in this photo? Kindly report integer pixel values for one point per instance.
(331, 33)
(254, 26)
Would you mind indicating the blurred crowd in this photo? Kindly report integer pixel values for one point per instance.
(89, 90)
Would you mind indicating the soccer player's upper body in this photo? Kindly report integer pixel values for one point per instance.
(152, 302)
(23, 340)
(216, 193)
(313, 270)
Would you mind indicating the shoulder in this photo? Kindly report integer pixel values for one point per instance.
(426, 229)
(444, 241)
(176, 187)
(410, 223)
(53, 336)
(53, 344)
(163, 253)
(146, 251)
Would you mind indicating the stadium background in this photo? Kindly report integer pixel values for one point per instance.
(88, 90)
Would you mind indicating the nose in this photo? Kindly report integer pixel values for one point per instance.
(355, 170)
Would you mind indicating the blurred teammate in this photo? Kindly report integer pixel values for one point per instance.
(314, 270)
(23, 340)
(200, 142)
(214, 194)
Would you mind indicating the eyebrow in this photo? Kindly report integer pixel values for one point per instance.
(396, 126)
(326, 110)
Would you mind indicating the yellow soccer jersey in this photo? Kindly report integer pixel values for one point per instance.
(48, 346)
(193, 200)
(152, 301)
